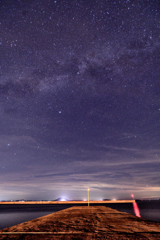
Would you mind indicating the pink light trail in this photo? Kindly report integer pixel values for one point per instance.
(136, 208)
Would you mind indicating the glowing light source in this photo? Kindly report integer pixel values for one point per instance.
(63, 199)
(135, 207)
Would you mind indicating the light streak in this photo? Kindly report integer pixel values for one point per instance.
(136, 208)
(88, 196)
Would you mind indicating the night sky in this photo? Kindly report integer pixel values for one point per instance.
(79, 99)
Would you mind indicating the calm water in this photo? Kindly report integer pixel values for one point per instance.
(11, 215)
(149, 210)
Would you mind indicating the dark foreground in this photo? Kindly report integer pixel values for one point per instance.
(85, 223)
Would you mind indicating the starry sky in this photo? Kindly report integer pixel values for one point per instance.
(79, 99)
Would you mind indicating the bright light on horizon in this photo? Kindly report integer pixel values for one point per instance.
(63, 199)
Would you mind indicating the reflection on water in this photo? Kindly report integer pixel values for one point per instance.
(149, 210)
(149, 214)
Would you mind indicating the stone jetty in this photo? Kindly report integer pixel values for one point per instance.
(85, 222)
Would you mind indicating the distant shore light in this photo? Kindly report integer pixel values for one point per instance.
(63, 199)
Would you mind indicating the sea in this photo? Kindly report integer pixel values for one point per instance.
(11, 215)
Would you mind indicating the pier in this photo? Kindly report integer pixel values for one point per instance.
(85, 222)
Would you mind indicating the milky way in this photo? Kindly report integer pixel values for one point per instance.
(79, 99)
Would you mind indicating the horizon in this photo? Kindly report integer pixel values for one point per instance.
(61, 199)
(78, 200)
